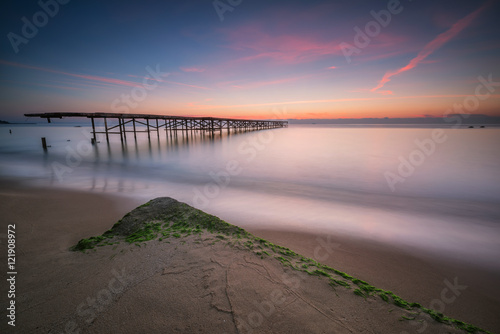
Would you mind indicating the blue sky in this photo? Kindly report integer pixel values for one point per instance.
(98, 56)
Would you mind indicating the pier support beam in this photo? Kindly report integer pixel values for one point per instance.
(93, 129)
(124, 129)
(120, 128)
(173, 124)
(149, 133)
(106, 128)
(135, 134)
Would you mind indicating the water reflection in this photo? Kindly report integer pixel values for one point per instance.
(307, 178)
(151, 148)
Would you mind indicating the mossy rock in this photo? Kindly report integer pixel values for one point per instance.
(157, 209)
(163, 215)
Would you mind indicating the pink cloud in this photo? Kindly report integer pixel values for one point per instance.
(384, 46)
(45, 85)
(373, 56)
(282, 48)
(192, 69)
(432, 46)
(410, 97)
(258, 43)
(99, 85)
(170, 82)
(227, 83)
(332, 67)
(258, 84)
(87, 77)
(186, 85)
(59, 87)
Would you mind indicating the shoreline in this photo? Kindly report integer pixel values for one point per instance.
(413, 278)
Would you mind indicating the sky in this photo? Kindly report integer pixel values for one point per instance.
(250, 58)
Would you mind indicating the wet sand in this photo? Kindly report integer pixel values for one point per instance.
(414, 276)
(201, 287)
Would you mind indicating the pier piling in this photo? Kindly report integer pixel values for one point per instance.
(172, 124)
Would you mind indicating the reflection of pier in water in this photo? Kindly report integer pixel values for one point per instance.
(117, 164)
(125, 167)
(172, 124)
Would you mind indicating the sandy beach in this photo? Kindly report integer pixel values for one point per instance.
(248, 167)
(204, 284)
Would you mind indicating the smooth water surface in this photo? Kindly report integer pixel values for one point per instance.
(414, 187)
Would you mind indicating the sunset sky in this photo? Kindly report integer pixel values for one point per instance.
(249, 59)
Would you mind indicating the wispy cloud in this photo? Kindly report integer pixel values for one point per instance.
(79, 83)
(81, 76)
(170, 82)
(432, 46)
(192, 69)
(257, 84)
(282, 48)
(44, 85)
(208, 107)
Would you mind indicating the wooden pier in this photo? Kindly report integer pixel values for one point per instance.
(171, 124)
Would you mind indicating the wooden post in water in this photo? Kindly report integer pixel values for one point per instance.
(186, 130)
(173, 124)
(120, 127)
(157, 129)
(106, 129)
(135, 134)
(149, 134)
(44, 144)
(124, 130)
(93, 130)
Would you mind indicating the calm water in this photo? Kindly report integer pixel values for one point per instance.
(442, 195)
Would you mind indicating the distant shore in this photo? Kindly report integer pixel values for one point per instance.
(52, 220)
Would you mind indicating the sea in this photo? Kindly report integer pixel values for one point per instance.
(426, 188)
